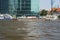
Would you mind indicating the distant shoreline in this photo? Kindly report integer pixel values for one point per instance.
(33, 19)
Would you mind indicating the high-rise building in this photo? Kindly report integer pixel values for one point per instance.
(3, 6)
(12, 7)
(24, 7)
(55, 3)
(20, 7)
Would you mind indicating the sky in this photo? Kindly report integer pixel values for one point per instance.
(43, 4)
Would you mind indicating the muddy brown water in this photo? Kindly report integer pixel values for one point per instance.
(29, 29)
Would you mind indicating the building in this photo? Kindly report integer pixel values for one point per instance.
(56, 9)
(13, 5)
(20, 7)
(24, 7)
(3, 6)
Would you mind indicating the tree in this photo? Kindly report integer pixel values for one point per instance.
(43, 13)
(59, 16)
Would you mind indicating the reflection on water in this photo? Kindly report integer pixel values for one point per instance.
(30, 30)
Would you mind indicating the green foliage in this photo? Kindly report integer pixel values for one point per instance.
(43, 13)
(59, 16)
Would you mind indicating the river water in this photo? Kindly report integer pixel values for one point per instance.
(33, 30)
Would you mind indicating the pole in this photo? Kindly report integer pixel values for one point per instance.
(51, 6)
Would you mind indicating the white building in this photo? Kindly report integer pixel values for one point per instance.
(5, 16)
(51, 17)
(1, 16)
